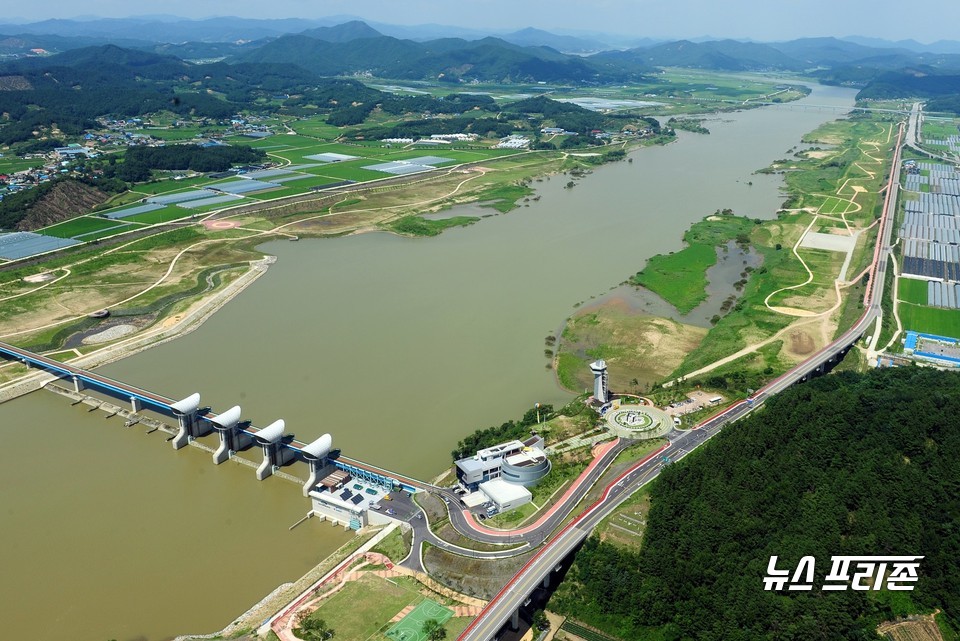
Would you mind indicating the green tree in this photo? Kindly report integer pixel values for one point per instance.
(540, 621)
(313, 629)
(434, 630)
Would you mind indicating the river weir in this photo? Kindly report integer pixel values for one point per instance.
(398, 347)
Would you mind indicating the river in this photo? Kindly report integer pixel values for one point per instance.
(398, 347)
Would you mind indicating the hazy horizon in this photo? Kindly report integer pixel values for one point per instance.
(760, 20)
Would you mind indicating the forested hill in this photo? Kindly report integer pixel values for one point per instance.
(446, 59)
(844, 465)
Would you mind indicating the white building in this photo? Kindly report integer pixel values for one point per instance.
(600, 390)
(505, 496)
(520, 462)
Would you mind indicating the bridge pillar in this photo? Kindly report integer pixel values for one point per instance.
(275, 455)
(135, 404)
(546, 582)
(515, 620)
(190, 427)
(183, 436)
(270, 438)
(231, 441)
(77, 384)
(315, 454)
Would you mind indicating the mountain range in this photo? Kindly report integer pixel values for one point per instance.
(175, 30)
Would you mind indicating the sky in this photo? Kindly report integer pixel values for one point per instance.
(764, 20)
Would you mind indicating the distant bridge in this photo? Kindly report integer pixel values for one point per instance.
(279, 448)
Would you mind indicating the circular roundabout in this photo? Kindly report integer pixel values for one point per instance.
(638, 421)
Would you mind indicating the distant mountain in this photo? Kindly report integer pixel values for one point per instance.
(22, 44)
(106, 62)
(73, 88)
(531, 37)
(204, 50)
(725, 55)
(353, 30)
(912, 83)
(425, 32)
(448, 59)
(940, 46)
(227, 29)
(832, 52)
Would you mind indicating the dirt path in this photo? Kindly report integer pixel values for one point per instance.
(278, 231)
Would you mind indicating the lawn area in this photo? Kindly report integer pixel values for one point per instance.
(930, 320)
(938, 129)
(625, 526)
(354, 171)
(362, 610)
(910, 290)
(364, 607)
(11, 163)
(513, 518)
(169, 185)
(82, 225)
(395, 547)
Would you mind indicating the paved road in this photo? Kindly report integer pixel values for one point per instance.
(512, 596)
(541, 529)
(514, 542)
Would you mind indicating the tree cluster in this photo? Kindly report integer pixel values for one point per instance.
(843, 465)
(506, 432)
(139, 161)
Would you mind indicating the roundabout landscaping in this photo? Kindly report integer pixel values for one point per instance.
(637, 421)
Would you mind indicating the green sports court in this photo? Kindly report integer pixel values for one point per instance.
(410, 627)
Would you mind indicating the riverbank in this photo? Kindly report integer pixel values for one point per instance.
(169, 329)
(399, 346)
(805, 291)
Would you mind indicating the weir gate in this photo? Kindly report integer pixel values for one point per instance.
(279, 448)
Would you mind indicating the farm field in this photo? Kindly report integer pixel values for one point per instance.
(930, 320)
(910, 290)
(80, 226)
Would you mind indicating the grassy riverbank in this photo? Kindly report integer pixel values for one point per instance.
(680, 278)
(796, 302)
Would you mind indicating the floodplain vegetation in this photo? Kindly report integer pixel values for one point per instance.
(795, 302)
